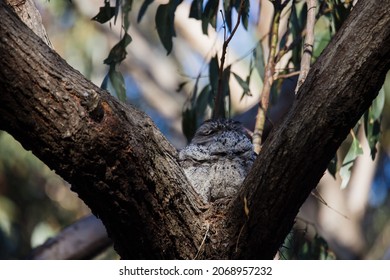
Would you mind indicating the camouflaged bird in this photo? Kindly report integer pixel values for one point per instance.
(218, 159)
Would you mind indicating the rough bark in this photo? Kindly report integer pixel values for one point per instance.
(114, 156)
(338, 90)
(127, 173)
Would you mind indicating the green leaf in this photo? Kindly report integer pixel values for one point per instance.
(143, 9)
(209, 15)
(340, 13)
(297, 24)
(259, 60)
(202, 102)
(118, 52)
(322, 36)
(188, 123)
(118, 83)
(345, 171)
(165, 16)
(196, 9)
(226, 91)
(214, 73)
(104, 84)
(228, 14)
(117, 6)
(126, 9)
(105, 13)
(372, 122)
(332, 166)
(243, 84)
(245, 14)
(378, 104)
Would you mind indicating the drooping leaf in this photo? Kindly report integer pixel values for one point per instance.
(209, 15)
(345, 171)
(196, 9)
(214, 73)
(332, 166)
(202, 102)
(118, 84)
(228, 14)
(322, 37)
(118, 52)
(104, 84)
(115, 84)
(372, 119)
(117, 6)
(243, 84)
(126, 9)
(378, 104)
(105, 13)
(165, 16)
(226, 92)
(340, 13)
(188, 123)
(296, 26)
(245, 14)
(143, 9)
(259, 60)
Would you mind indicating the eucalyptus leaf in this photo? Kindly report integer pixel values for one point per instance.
(118, 52)
(189, 123)
(245, 14)
(209, 15)
(105, 13)
(243, 84)
(202, 102)
(196, 9)
(372, 121)
(332, 166)
(345, 171)
(118, 84)
(259, 60)
(214, 73)
(117, 6)
(143, 9)
(164, 19)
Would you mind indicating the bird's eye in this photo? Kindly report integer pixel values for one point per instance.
(208, 132)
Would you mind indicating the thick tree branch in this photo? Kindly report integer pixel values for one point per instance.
(114, 156)
(126, 171)
(338, 90)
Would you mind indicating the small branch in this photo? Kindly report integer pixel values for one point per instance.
(82, 240)
(287, 75)
(309, 42)
(219, 95)
(268, 77)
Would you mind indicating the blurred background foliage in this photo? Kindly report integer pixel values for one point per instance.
(174, 90)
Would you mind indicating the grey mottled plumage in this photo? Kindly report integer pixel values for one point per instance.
(218, 159)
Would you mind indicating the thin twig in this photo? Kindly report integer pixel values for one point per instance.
(309, 42)
(284, 76)
(268, 77)
(219, 94)
(317, 195)
(203, 240)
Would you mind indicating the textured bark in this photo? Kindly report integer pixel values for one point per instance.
(338, 90)
(114, 156)
(127, 173)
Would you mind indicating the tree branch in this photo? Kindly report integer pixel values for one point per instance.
(127, 172)
(268, 77)
(338, 90)
(309, 43)
(114, 156)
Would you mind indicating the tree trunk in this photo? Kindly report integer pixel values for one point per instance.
(128, 174)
